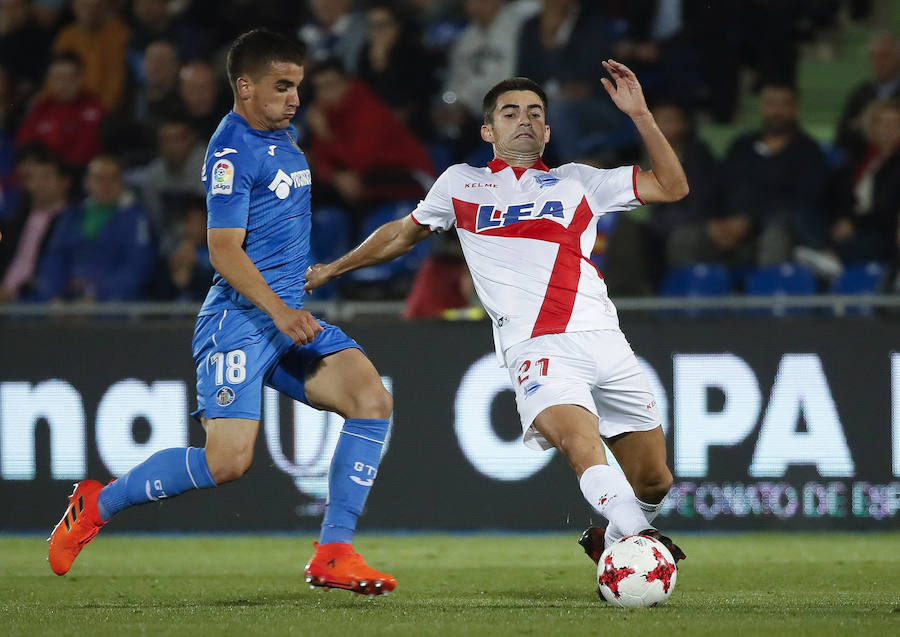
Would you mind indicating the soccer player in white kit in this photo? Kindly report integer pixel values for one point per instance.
(526, 233)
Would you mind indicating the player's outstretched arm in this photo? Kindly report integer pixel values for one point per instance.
(666, 181)
(388, 242)
(226, 253)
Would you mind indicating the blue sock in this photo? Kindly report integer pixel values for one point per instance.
(352, 472)
(165, 474)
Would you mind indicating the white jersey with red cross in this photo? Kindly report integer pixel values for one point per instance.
(527, 236)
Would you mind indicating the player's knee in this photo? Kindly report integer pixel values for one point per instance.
(232, 466)
(373, 402)
(653, 486)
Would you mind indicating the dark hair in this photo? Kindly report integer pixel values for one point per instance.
(177, 117)
(327, 64)
(253, 51)
(780, 83)
(510, 84)
(668, 101)
(40, 154)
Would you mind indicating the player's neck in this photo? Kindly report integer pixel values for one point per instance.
(254, 122)
(518, 160)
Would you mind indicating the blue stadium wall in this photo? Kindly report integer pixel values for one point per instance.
(771, 424)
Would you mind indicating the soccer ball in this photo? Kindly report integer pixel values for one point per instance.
(636, 571)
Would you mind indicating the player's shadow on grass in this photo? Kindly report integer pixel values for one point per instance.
(278, 599)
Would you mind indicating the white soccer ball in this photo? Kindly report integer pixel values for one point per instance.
(636, 571)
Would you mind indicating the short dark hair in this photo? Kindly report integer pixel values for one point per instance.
(327, 64)
(253, 51)
(40, 154)
(510, 84)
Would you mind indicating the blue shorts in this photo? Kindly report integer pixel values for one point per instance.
(239, 351)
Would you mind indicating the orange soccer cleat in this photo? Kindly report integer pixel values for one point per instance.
(78, 526)
(336, 565)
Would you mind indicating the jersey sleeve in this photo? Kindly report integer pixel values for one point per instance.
(436, 209)
(228, 180)
(614, 189)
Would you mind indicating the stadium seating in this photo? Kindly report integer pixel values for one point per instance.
(786, 279)
(402, 267)
(698, 280)
(866, 278)
(329, 239)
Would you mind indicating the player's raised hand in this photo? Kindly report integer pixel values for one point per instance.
(624, 89)
(317, 275)
(299, 325)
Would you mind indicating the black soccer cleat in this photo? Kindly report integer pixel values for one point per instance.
(674, 549)
(593, 543)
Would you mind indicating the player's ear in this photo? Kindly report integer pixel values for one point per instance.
(546, 133)
(487, 133)
(244, 88)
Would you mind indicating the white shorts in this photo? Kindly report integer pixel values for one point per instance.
(596, 370)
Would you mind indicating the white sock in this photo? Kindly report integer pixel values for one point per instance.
(608, 492)
(650, 511)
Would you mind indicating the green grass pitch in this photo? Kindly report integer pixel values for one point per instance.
(748, 584)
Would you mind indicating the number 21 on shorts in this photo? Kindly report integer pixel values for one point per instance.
(231, 366)
(541, 367)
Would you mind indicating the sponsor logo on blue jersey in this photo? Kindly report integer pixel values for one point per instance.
(282, 182)
(491, 217)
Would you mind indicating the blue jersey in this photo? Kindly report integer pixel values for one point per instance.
(259, 180)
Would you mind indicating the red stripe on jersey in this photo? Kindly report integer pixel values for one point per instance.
(413, 217)
(559, 300)
(594, 265)
(634, 184)
(465, 214)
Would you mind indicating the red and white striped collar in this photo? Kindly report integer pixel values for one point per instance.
(497, 164)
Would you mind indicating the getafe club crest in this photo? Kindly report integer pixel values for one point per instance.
(225, 396)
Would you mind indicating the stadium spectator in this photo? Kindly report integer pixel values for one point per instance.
(157, 97)
(101, 249)
(396, 66)
(26, 234)
(64, 116)
(559, 48)
(24, 46)
(772, 183)
(884, 57)
(442, 283)
(171, 178)
(770, 36)
(188, 269)
(99, 38)
(361, 152)
(336, 30)
(638, 250)
(869, 231)
(484, 53)
(153, 20)
(7, 148)
(201, 96)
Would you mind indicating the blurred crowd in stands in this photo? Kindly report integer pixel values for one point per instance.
(106, 107)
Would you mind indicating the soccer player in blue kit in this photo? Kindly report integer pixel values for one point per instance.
(251, 331)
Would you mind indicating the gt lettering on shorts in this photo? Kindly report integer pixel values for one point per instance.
(541, 368)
